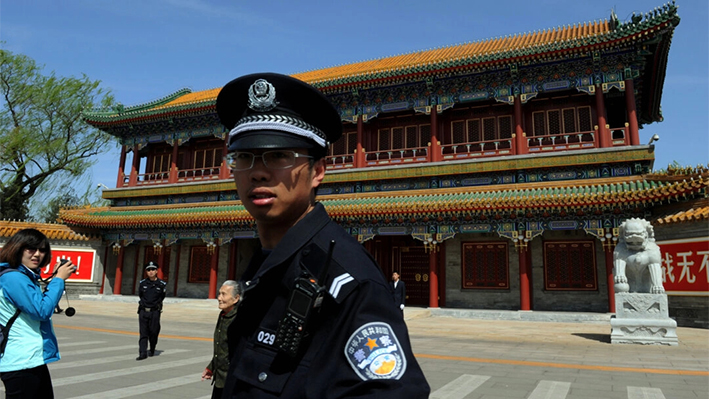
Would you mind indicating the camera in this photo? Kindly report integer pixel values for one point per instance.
(69, 310)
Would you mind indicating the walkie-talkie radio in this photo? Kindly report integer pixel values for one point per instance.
(306, 298)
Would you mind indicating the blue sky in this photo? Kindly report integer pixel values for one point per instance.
(144, 50)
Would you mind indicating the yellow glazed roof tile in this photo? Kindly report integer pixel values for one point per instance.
(52, 231)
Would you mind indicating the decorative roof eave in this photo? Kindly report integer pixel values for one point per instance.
(697, 214)
(202, 107)
(458, 202)
(623, 35)
(53, 231)
(545, 45)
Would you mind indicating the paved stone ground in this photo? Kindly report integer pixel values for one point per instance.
(461, 357)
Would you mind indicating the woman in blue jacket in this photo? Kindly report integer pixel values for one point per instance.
(31, 341)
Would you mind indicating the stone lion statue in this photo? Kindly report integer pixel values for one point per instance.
(637, 259)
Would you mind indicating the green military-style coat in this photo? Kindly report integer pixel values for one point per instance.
(220, 361)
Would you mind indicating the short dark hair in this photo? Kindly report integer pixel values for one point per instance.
(317, 153)
(28, 238)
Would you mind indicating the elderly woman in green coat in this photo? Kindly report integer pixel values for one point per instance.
(229, 296)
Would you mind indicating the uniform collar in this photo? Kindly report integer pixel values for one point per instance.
(295, 239)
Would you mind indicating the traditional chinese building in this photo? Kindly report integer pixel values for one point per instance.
(492, 174)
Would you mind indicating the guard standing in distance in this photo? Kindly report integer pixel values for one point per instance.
(312, 323)
(151, 293)
(399, 288)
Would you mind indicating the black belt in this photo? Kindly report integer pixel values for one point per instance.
(153, 309)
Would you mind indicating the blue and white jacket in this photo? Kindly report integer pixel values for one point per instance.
(31, 342)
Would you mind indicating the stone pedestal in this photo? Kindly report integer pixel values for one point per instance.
(642, 319)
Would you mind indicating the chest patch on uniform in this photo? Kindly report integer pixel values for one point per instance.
(374, 352)
(265, 337)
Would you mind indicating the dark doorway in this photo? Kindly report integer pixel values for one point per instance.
(408, 256)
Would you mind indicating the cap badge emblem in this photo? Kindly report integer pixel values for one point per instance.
(262, 96)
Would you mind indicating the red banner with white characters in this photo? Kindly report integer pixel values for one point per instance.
(685, 266)
(84, 260)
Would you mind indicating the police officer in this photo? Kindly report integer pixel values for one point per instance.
(151, 293)
(289, 340)
(399, 289)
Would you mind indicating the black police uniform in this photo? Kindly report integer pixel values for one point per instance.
(151, 295)
(358, 344)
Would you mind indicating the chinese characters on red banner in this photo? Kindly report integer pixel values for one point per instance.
(685, 265)
(83, 259)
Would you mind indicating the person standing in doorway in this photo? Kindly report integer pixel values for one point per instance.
(151, 293)
(399, 289)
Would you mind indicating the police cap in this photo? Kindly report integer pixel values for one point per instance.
(151, 266)
(270, 110)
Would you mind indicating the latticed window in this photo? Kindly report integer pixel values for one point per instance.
(412, 137)
(425, 134)
(584, 117)
(505, 127)
(158, 163)
(568, 120)
(207, 158)
(474, 130)
(554, 121)
(489, 132)
(400, 138)
(200, 263)
(458, 130)
(485, 265)
(570, 265)
(540, 123)
(383, 139)
(481, 129)
(569, 115)
(397, 138)
(152, 256)
(346, 144)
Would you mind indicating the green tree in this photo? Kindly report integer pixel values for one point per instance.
(42, 135)
(46, 203)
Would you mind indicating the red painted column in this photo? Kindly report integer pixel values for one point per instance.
(530, 277)
(609, 279)
(603, 134)
(632, 113)
(520, 141)
(231, 269)
(133, 180)
(177, 270)
(435, 148)
(173, 163)
(224, 169)
(121, 168)
(119, 272)
(214, 264)
(138, 270)
(433, 277)
(360, 160)
(105, 265)
(442, 276)
(161, 262)
(523, 279)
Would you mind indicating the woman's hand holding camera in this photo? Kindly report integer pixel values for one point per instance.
(64, 268)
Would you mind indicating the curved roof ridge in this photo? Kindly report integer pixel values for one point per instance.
(122, 109)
